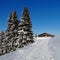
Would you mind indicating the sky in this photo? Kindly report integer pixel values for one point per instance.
(44, 14)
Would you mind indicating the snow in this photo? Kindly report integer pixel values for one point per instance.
(44, 48)
(55, 47)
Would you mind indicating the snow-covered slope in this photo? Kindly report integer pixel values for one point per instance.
(45, 48)
(54, 46)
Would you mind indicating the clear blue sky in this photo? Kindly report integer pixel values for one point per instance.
(44, 14)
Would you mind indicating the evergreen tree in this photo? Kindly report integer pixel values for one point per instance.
(2, 43)
(11, 32)
(25, 27)
(12, 22)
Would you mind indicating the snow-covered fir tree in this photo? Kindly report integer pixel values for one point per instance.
(25, 28)
(12, 22)
(2, 43)
(12, 30)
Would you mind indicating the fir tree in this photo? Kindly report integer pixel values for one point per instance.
(11, 32)
(2, 43)
(25, 27)
(12, 22)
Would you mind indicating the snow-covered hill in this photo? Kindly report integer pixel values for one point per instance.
(45, 48)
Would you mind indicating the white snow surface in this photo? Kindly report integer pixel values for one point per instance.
(44, 48)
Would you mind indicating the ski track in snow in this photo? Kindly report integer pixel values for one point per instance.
(40, 50)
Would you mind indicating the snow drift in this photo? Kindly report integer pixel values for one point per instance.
(45, 48)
